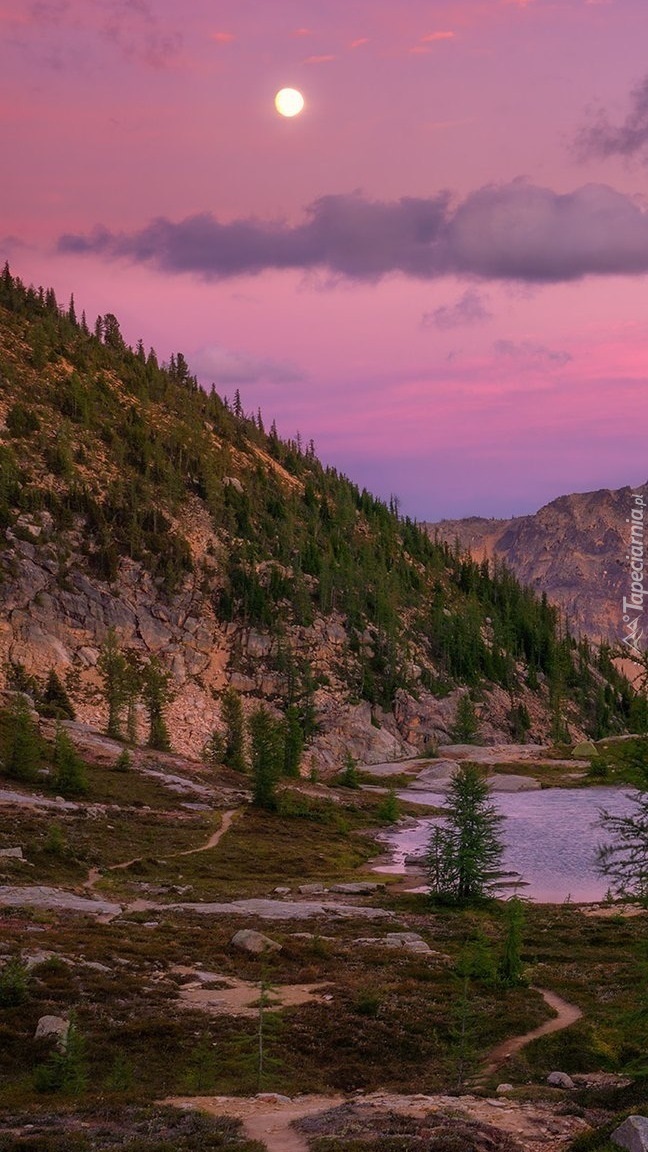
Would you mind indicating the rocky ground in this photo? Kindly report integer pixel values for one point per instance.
(170, 920)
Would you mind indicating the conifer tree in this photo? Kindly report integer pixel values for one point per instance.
(465, 852)
(55, 700)
(510, 969)
(266, 758)
(232, 718)
(465, 725)
(293, 742)
(69, 772)
(157, 695)
(113, 670)
(22, 751)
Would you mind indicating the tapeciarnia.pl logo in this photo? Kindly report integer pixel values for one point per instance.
(633, 605)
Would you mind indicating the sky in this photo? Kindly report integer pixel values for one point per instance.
(437, 271)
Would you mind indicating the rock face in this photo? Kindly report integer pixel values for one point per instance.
(54, 615)
(632, 1134)
(574, 549)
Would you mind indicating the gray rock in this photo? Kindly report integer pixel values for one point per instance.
(53, 1027)
(273, 1098)
(281, 890)
(254, 942)
(12, 853)
(560, 1080)
(312, 889)
(364, 888)
(632, 1134)
(502, 1088)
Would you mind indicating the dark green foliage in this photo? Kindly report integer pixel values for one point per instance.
(55, 701)
(22, 421)
(293, 741)
(232, 718)
(388, 811)
(14, 983)
(465, 726)
(624, 858)
(214, 750)
(510, 967)
(464, 853)
(157, 695)
(65, 1071)
(266, 758)
(22, 749)
(124, 761)
(69, 777)
(113, 670)
(349, 776)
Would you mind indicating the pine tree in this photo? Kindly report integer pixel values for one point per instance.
(465, 852)
(465, 725)
(624, 859)
(113, 670)
(55, 700)
(22, 751)
(510, 969)
(266, 757)
(232, 718)
(157, 695)
(293, 742)
(69, 772)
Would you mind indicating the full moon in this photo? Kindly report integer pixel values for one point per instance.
(289, 102)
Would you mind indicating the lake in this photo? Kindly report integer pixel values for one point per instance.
(550, 836)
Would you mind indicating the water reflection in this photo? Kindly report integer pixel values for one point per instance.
(550, 837)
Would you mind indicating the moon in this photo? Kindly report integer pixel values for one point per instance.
(289, 102)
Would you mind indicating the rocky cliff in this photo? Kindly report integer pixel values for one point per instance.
(574, 549)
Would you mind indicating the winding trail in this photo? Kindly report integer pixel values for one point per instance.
(94, 875)
(268, 1120)
(566, 1014)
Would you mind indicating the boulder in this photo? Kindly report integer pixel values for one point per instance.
(584, 750)
(362, 888)
(560, 1080)
(254, 942)
(273, 1098)
(503, 1088)
(12, 853)
(312, 889)
(632, 1134)
(53, 1028)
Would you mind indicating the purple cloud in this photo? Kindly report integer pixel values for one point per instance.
(516, 232)
(536, 355)
(469, 309)
(600, 138)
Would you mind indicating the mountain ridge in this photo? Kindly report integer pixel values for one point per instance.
(132, 500)
(573, 548)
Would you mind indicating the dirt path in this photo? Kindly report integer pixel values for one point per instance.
(534, 1124)
(266, 1120)
(94, 875)
(566, 1014)
(226, 823)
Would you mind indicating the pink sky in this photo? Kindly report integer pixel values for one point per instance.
(437, 271)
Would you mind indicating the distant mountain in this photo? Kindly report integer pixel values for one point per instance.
(573, 549)
(131, 500)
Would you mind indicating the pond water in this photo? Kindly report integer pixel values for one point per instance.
(550, 836)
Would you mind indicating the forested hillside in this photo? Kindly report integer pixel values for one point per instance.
(133, 500)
